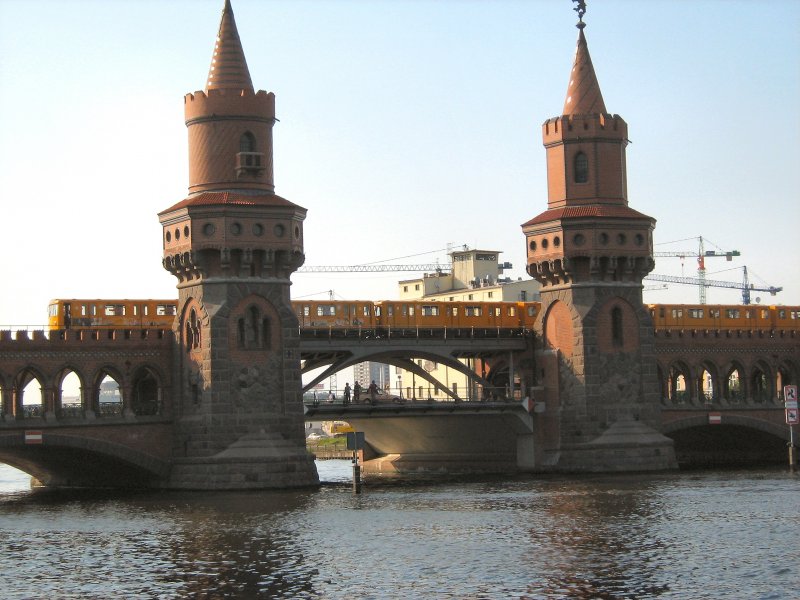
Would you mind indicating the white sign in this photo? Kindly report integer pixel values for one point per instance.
(33, 437)
(791, 416)
(790, 393)
(714, 419)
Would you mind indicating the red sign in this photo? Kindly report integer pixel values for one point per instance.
(714, 418)
(33, 436)
(792, 417)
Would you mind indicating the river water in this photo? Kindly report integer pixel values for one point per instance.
(726, 534)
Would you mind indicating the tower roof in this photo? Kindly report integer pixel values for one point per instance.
(583, 91)
(228, 69)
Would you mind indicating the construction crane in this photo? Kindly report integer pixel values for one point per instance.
(701, 254)
(745, 285)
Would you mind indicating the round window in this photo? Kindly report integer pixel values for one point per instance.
(532, 246)
(258, 229)
(236, 229)
(209, 229)
(579, 239)
(279, 230)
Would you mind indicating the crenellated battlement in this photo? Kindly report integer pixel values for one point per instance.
(573, 127)
(221, 103)
(23, 339)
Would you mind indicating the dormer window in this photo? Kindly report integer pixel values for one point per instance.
(581, 168)
(248, 161)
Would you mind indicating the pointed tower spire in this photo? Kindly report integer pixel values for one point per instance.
(228, 69)
(583, 91)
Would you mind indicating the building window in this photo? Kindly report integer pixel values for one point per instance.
(247, 143)
(581, 168)
(616, 326)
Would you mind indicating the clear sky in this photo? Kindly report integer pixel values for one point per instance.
(404, 126)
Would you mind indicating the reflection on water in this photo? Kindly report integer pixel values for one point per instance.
(709, 535)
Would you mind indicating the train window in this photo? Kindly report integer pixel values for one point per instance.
(165, 309)
(732, 313)
(430, 311)
(405, 310)
(677, 313)
(496, 311)
(512, 311)
(781, 314)
(365, 310)
(472, 311)
(326, 310)
(794, 314)
(713, 312)
(764, 313)
(410, 311)
(94, 310)
(136, 310)
(748, 314)
(146, 309)
(695, 313)
(114, 310)
(531, 311)
(455, 311)
(389, 310)
(306, 310)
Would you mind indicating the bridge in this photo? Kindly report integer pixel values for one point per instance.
(720, 402)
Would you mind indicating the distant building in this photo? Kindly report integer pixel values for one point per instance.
(367, 372)
(476, 275)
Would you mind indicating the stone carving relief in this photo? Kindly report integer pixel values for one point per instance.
(258, 388)
(621, 377)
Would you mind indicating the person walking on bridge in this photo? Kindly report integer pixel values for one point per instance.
(356, 392)
(347, 393)
(373, 391)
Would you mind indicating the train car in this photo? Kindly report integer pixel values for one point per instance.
(330, 314)
(335, 313)
(724, 317)
(110, 314)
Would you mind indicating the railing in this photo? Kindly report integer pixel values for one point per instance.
(384, 397)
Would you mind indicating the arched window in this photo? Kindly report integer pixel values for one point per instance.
(616, 326)
(247, 143)
(192, 331)
(581, 168)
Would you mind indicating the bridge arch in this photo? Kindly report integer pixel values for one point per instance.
(60, 378)
(146, 398)
(762, 387)
(707, 383)
(678, 388)
(786, 374)
(734, 383)
(740, 439)
(74, 461)
(22, 381)
(94, 401)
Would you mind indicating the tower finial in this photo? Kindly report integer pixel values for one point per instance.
(581, 10)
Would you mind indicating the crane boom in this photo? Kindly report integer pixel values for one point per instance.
(701, 254)
(434, 267)
(745, 286)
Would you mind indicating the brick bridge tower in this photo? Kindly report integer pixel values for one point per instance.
(590, 252)
(233, 244)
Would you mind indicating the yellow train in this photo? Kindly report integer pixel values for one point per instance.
(368, 314)
(419, 314)
(110, 314)
(724, 316)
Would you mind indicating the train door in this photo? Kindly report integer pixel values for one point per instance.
(67, 315)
